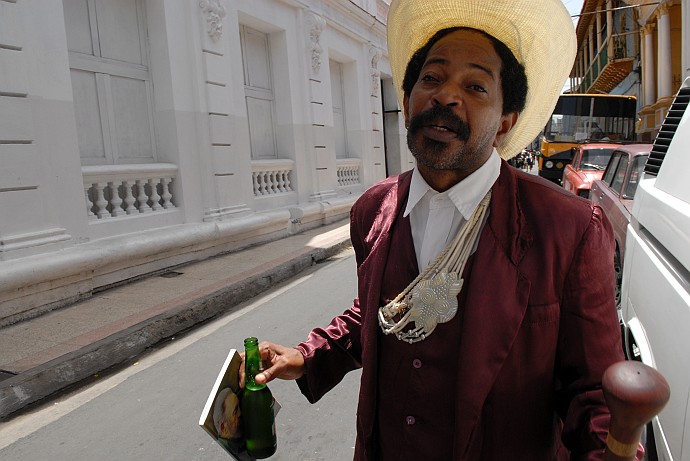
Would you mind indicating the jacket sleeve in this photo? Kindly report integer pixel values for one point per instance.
(589, 342)
(331, 352)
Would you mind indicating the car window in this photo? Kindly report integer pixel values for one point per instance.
(611, 168)
(595, 159)
(635, 173)
(619, 176)
(574, 162)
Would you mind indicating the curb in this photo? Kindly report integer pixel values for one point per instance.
(31, 386)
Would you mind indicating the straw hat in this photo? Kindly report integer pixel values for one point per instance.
(540, 34)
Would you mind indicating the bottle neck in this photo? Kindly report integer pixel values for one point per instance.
(252, 365)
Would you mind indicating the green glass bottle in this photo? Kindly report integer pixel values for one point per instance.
(258, 418)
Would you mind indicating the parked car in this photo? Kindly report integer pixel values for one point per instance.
(615, 191)
(656, 277)
(587, 164)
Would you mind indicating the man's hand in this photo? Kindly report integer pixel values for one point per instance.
(278, 361)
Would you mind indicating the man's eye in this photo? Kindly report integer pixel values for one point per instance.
(429, 78)
(478, 88)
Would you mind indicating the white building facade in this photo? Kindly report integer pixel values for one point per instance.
(137, 135)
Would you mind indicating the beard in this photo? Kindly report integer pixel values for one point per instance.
(439, 155)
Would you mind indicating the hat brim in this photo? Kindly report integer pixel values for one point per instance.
(540, 33)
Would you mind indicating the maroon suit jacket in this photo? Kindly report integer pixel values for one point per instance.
(538, 331)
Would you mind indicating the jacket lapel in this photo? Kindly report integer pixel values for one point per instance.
(495, 306)
(371, 276)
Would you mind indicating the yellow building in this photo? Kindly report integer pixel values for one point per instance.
(640, 48)
(664, 46)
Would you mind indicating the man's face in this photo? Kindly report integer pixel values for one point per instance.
(230, 424)
(454, 111)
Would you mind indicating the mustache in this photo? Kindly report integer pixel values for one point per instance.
(441, 116)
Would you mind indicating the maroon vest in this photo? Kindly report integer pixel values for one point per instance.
(416, 390)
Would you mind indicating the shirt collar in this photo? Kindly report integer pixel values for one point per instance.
(466, 194)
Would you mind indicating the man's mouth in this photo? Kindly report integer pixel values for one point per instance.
(439, 133)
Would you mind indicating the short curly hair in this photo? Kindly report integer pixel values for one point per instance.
(513, 77)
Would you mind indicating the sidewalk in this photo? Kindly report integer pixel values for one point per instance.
(49, 353)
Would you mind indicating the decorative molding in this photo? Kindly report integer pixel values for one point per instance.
(663, 9)
(315, 25)
(374, 56)
(215, 12)
(32, 239)
(114, 191)
(272, 177)
(648, 29)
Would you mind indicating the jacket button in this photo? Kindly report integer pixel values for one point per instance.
(417, 363)
(410, 420)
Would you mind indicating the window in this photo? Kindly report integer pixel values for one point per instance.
(611, 168)
(595, 159)
(111, 82)
(339, 125)
(619, 176)
(258, 90)
(635, 174)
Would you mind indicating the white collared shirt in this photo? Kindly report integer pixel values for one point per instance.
(436, 217)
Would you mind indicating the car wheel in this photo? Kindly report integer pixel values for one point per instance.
(618, 269)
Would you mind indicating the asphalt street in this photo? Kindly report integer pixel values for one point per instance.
(150, 410)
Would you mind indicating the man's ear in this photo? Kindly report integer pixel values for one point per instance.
(508, 121)
(406, 105)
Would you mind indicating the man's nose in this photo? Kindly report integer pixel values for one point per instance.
(448, 94)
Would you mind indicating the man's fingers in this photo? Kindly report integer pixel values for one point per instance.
(241, 371)
(267, 351)
(279, 362)
(265, 376)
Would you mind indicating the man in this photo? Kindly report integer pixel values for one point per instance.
(485, 315)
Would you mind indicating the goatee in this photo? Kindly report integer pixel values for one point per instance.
(432, 153)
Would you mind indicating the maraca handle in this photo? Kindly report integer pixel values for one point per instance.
(635, 393)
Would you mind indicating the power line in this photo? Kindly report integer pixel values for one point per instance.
(616, 9)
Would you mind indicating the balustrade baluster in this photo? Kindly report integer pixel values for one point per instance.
(262, 183)
(281, 181)
(142, 198)
(274, 182)
(255, 183)
(155, 198)
(129, 198)
(115, 200)
(89, 204)
(288, 186)
(167, 195)
(101, 203)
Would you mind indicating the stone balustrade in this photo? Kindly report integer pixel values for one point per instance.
(112, 191)
(348, 171)
(272, 177)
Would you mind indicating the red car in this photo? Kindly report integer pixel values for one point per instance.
(615, 191)
(587, 164)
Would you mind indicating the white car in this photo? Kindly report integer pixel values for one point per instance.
(655, 303)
